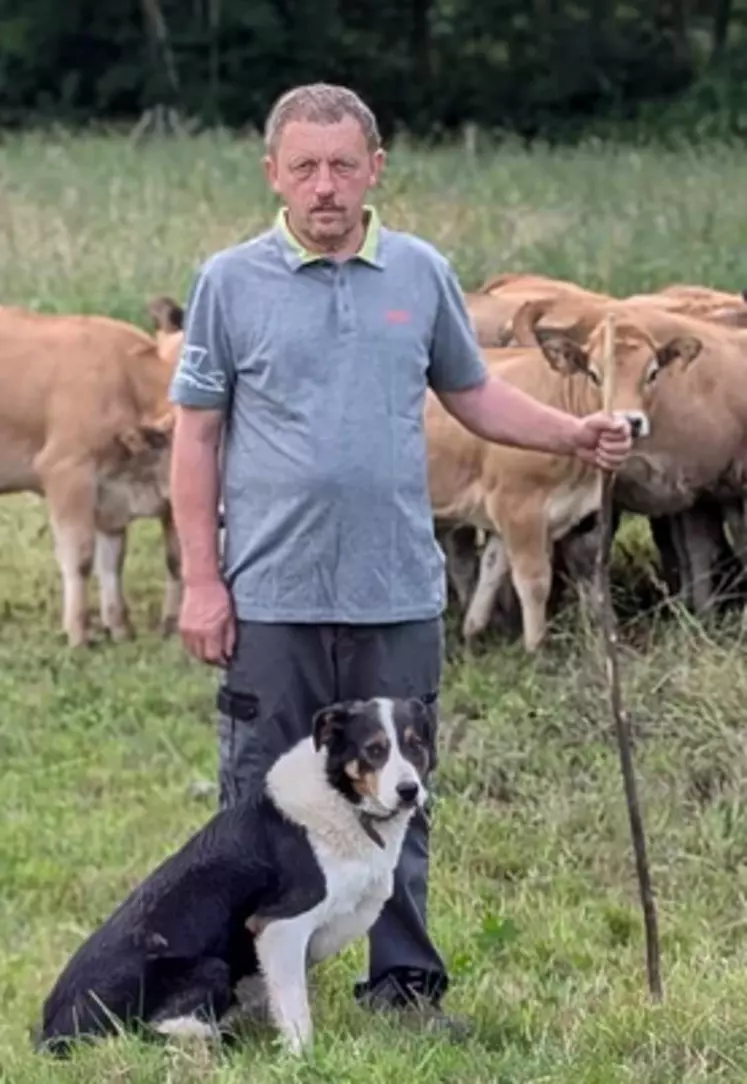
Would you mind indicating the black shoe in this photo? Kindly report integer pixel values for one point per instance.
(416, 996)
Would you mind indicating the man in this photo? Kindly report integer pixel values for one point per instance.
(307, 351)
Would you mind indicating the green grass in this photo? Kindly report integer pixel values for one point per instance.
(534, 898)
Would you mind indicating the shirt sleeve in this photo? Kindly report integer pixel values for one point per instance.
(204, 372)
(456, 362)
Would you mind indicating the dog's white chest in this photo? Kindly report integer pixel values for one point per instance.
(357, 889)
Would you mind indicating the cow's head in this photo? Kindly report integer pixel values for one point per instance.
(145, 452)
(578, 349)
(168, 320)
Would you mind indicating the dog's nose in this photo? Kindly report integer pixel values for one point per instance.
(407, 792)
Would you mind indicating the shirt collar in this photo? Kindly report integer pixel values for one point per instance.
(297, 256)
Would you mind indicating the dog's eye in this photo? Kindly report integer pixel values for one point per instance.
(414, 739)
(376, 750)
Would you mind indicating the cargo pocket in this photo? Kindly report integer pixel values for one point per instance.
(240, 745)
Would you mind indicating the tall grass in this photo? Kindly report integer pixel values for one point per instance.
(107, 756)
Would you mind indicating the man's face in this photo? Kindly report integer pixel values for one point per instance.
(323, 172)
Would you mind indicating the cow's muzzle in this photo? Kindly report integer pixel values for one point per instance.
(639, 424)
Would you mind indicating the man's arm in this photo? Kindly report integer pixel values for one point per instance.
(499, 412)
(201, 390)
(195, 491)
(494, 410)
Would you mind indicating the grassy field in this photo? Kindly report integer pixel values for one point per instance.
(107, 756)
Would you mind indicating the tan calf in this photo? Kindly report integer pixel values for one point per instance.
(85, 423)
(695, 456)
(528, 500)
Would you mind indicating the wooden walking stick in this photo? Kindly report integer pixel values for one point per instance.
(613, 685)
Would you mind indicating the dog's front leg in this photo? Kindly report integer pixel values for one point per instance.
(282, 949)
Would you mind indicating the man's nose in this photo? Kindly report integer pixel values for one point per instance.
(324, 180)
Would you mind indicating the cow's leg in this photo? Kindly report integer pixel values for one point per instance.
(576, 553)
(530, 558)
(173, 590)
(729, 560)
(70, 497)
(702, 528)
(736, 521)
(674, 563)
(109, 559)
(493, 568)
(460, 549)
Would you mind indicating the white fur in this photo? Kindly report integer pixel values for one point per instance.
(397, 769)
(359, 875)
(493, 567)
(186, 1027)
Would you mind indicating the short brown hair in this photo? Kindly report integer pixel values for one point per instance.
(320, 103)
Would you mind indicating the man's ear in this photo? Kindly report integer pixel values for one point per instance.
(328, 722)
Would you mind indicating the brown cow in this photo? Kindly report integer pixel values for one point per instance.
(85, 422)
(505, 294)
(168, 321)
(695, 459)
(700, 301)
(527, 500)
(490, 318)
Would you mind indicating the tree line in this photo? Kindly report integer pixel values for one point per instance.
(537, 68)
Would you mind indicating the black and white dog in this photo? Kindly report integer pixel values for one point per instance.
(262, 891)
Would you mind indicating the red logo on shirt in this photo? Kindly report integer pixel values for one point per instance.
(397, 316)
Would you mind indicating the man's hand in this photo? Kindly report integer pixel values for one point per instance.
(603, 440)
(207, 623)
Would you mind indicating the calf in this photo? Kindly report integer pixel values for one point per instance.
(693, 461)
(85, 423)
(528, 500)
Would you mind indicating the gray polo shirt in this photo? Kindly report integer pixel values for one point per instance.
(321, 368)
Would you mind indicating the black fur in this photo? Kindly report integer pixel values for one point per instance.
(178, 944)
(346, 728)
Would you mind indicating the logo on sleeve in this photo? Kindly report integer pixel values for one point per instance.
(194, 370)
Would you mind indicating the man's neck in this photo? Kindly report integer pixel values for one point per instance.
(348, 246)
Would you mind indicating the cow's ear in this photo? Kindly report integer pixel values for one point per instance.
(686, 347)
(155, 438)
(167, 314)
(151, 435)
(563, 354)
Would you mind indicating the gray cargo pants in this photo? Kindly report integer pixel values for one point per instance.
(278, 677)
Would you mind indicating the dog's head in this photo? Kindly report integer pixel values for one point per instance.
(378, 752)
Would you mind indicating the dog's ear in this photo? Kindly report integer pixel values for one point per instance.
(328, 722)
